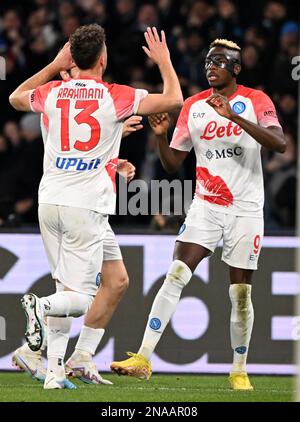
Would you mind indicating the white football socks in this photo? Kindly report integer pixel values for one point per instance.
(66, 303)
(58, 337)
(89, 339)
(241, 323)
(164, 305)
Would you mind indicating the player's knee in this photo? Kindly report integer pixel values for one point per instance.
(123, 283)
(120, 284)
(179, 274)
(240, 295)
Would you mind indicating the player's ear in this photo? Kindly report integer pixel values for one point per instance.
(64, 74)
(102, 60)
(237, 68)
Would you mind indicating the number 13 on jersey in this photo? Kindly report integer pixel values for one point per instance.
(83, 117)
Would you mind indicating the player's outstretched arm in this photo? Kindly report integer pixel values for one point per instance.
(170, 158)
(171, 98)
(20, 100)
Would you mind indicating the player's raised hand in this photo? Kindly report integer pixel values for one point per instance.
(157, 49)
(159, 123)
(63, 60)
(126, 169)
(221, 105)
(133, 124)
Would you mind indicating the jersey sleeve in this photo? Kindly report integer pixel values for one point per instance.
(265, 110)
(38, 96)
(126, 100)
(181, 139)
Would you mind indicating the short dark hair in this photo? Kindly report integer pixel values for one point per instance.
(230, 45)
(87, 44)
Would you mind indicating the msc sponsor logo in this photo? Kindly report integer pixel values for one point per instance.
(224, 153)
(209, 154)
(77, 164)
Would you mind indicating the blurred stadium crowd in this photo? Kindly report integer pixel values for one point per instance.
(32, 31)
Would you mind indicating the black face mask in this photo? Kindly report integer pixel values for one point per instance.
(222, 61)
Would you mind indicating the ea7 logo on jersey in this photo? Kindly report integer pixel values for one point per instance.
(77, 164)
(198, 115)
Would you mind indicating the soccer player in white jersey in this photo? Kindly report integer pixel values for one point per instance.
(114, 282)
(226, 125)
(85, 118)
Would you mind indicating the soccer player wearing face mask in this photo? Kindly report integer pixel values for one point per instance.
(226, 125)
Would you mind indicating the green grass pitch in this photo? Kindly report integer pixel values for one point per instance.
(18, 387)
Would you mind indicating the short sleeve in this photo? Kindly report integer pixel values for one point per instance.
(126, 99)
(38, 96)
(181, 139)
(265, 110)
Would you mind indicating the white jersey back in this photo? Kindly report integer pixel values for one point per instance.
(229, 174)
(83, 120)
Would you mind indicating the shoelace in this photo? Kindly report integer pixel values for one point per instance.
(132, 355)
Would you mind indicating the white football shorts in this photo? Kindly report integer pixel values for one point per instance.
(111, 249)
(73, 239)
(241, 236)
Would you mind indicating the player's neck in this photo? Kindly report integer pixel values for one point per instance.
(228, 90)
(90, 73)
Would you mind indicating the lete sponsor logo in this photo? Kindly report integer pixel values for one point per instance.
(212, 130)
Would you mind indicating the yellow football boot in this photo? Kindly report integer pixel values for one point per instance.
(136, 366)
(240, 381)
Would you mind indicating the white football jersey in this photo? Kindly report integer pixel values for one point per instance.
(83, 122)
(229, 175)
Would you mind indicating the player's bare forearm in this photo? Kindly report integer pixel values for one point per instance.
(170, 158)
(172, 87)
(19, 98)
(170, 100)
(271, 138)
